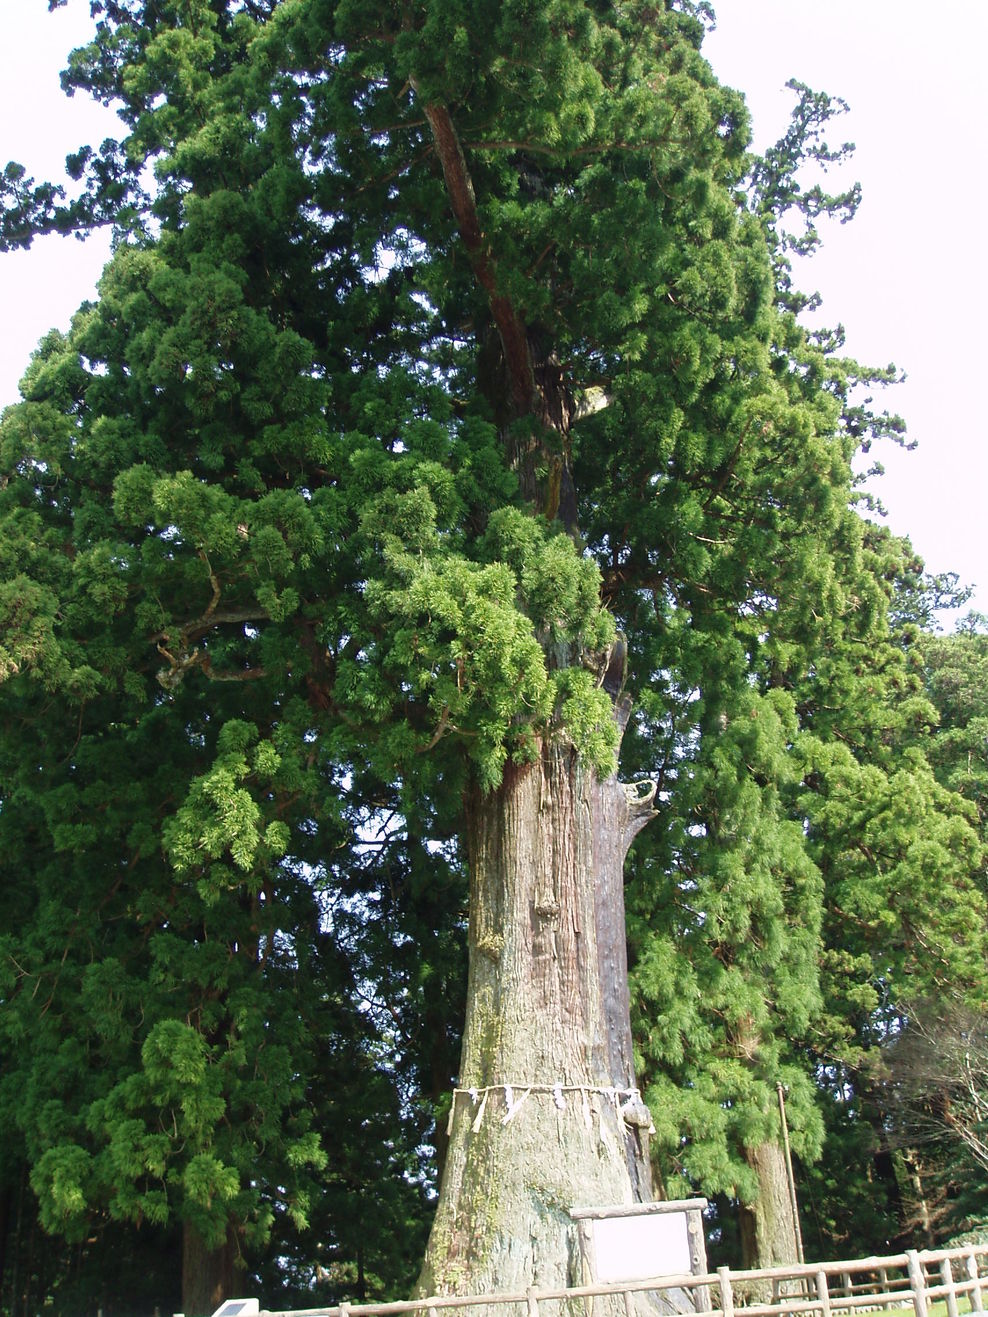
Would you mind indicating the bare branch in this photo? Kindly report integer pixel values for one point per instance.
(510, 326)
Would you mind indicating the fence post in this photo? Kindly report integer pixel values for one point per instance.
(947, 1276)
(917, 1282)
(533, 1303)
(845, 1280)
(698, 1258)
(726, 1293)
(971, 1267)
(883, 1276)
(823, 1293)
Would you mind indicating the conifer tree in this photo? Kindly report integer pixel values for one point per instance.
(955, 670)
(436, 425)
(904, 911)
(727, 942)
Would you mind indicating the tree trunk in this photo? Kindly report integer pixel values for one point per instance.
(922, 1216)
(545, 1117)
(207, 1274)
(768, 1233)
(547, 1032)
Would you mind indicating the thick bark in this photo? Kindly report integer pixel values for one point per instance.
(207, 1274)
(768, 1235)
(547, 1006)
(547, 1021)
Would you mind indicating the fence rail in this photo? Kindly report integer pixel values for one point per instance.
(913, 1279)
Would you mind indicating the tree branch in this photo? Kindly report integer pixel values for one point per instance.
(510, 326)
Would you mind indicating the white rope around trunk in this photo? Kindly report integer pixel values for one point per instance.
(513, 1104)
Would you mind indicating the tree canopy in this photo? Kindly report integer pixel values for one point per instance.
(445, 412)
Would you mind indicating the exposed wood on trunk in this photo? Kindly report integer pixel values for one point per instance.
(534, 379)
(547, 1005)
(547, 993)
(613, 836)
(459, 186)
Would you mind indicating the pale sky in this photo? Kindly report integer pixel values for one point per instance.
(908, 278)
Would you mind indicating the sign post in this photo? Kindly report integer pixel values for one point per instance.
(642, 1240)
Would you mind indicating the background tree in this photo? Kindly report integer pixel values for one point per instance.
(937, 1096)
(954, 668)
(727, 952)
(904, 913)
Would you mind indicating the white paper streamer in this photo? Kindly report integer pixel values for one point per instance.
(515, 1108)
(556, 1091)
(480, 1114)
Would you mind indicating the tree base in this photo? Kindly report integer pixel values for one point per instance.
(207, 1274)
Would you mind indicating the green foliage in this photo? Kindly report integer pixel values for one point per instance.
(741, 914)
(296, 553)
(954, 669)
(780, 193)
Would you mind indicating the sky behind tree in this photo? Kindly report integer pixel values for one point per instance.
(908, 279)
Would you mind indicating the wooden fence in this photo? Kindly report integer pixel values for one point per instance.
(915, 1279)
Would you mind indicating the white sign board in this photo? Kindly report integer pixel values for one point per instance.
(637, 1247)
(238, 1308)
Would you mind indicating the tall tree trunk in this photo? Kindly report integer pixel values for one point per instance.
(768, 1233)
(922, 1217)
(547, 1018)
(207, 1274)
(547, 1015)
